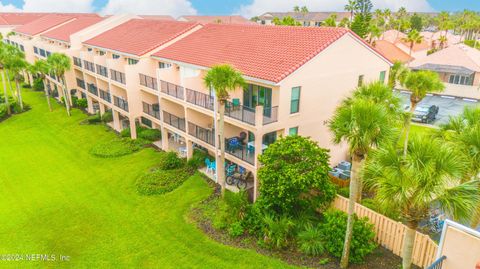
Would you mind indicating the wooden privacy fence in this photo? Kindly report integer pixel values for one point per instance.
(390, 233)
(342, 183)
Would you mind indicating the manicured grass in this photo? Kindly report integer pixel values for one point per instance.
(57, 198)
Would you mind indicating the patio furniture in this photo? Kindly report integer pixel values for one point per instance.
(183, 151)
(235, 102)
(211, 166)
(233, 144)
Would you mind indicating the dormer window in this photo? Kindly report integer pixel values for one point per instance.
(101, 52)
(115, 56)
(162, 65)
(132, 61)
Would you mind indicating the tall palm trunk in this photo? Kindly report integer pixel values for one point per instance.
(65, 94)
(5, 93)
(413, 105)
(19, 94)
(10, 83)
(408, 241)
(221, 141)
(47, 94)
(354, 177)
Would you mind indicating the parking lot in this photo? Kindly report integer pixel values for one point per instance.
(448, 106)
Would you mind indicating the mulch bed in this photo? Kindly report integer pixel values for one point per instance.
(381, 258)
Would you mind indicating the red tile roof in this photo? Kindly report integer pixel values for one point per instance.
(157, 17)
(265, 52)
(18, 18)
(218, 19)
(392, 52)
(63, 32)
(43, 24)
(139, 36)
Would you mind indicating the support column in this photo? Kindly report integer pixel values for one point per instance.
(258, 150)
(255, 186)
(164, 138)
(259, 116)
(102, 108)
(189, 149)
(116, 121)
(90, 105)
(133, 128)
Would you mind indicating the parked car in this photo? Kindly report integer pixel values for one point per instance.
(425, 114)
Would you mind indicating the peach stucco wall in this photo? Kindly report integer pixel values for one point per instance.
(325, 81)
(461, 249)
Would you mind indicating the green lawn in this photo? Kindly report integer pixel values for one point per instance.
(55, 198)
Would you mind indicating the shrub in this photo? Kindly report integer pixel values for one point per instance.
(198, 159)
(93, 119)
(150, 134)
(294, 177)
(236, 229)
(38, 85)
(82, 103)
(26, 86)
(107, 116)
(333, 233)
(310, 241)
(3, 110)
(373, 205)
(161, 181)
(117, 147)
(345, 192)
(15, 107)
(171, 161)
(230, 209)
(277, 231)
(74, 101)
(125, 133)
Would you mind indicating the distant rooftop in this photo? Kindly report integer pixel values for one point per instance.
(236, 19)
(308, 16)
(18, 18)
(49, 21)
(456, 55)
(392, 52)
(264, 52)
(140, 36)
(64, 32)
(157, 17)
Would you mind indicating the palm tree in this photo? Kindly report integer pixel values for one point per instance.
(296, 9)
(331, 21)
(42, 68)
(413, 37)
(59, 63)
(351, 7)
(16, 63)
(363, 124)
(429, 175)
(419, 84)
(379, 93)
(223, 79)
(397, 74)
(3, 58)
(9, 51)
(442, 41)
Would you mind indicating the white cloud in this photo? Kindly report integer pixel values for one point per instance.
(258, 7)
(8, 8)
(174, 8)
(58, 5)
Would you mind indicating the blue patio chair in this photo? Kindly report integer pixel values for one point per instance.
(230, 170)
(208, 164)
(235, 103)
(234, 143)
(241, 170)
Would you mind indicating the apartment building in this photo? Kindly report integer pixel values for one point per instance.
(305, 18)
(150, 72)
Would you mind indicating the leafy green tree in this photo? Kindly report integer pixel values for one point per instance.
(286, 21)
(363, 16)
(430, 174)
(294, 177)
(42, 68)
(416, 22)
(59, 64)
(444, 21)
(419, 84)
(331, 21)
(397, 74)
(345, 23)
(413, 37)
(364, 125)
(16, 63)
(223, 79)
(351, 7)
(380, 94)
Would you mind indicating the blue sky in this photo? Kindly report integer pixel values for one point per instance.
(216, 7)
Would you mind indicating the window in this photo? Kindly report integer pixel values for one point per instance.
(460, 79)
(35, 50)
(269, 138)
(164, 65)
(146, 121)
(132, 61)
(382, 76)
(102, 70)
(115, 56)
(318, 23)
(262, 22)
(293, 131)
(101, 52)
(89, 49)
(360, 80)
(295, 100)
(117, 76)
(148, 81)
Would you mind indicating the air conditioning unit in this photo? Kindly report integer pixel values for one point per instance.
(344, 165)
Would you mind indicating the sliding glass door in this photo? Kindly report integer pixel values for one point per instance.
(254, 95)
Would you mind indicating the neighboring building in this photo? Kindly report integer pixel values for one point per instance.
(8, 21)
(235, 19)
(458, 66)
(157, 17)
(398, 39)
(392, 52)
(151, 72)
(306, 19)
(434, 38)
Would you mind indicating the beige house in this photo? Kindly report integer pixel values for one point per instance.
(150, 72)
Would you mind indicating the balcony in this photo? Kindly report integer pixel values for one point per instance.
(205, 135)
(174, 121)
(235, 147)
(200, 99)
(149, 82)
(117, 76)
(239, 112)
(102, 70)
(92, 88)
(172, 89)
(105, 95)
(120, 102)
(152, 110)
(81, 83)
(77, 62)
(89, 66)
(270, 115)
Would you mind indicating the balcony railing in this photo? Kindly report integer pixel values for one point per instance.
(120, 102)
(239, 112)
(206, 135)
(152, 110)
(149, 82)
(89, 66)
(438, 264)
(102, 70)
(174, 121)
(172, 89)
(117, 76)
(81, 83)
(270, 115)
(242, 152)
(105, 95)
(77, 62)
(92, 88)
(200, 99)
